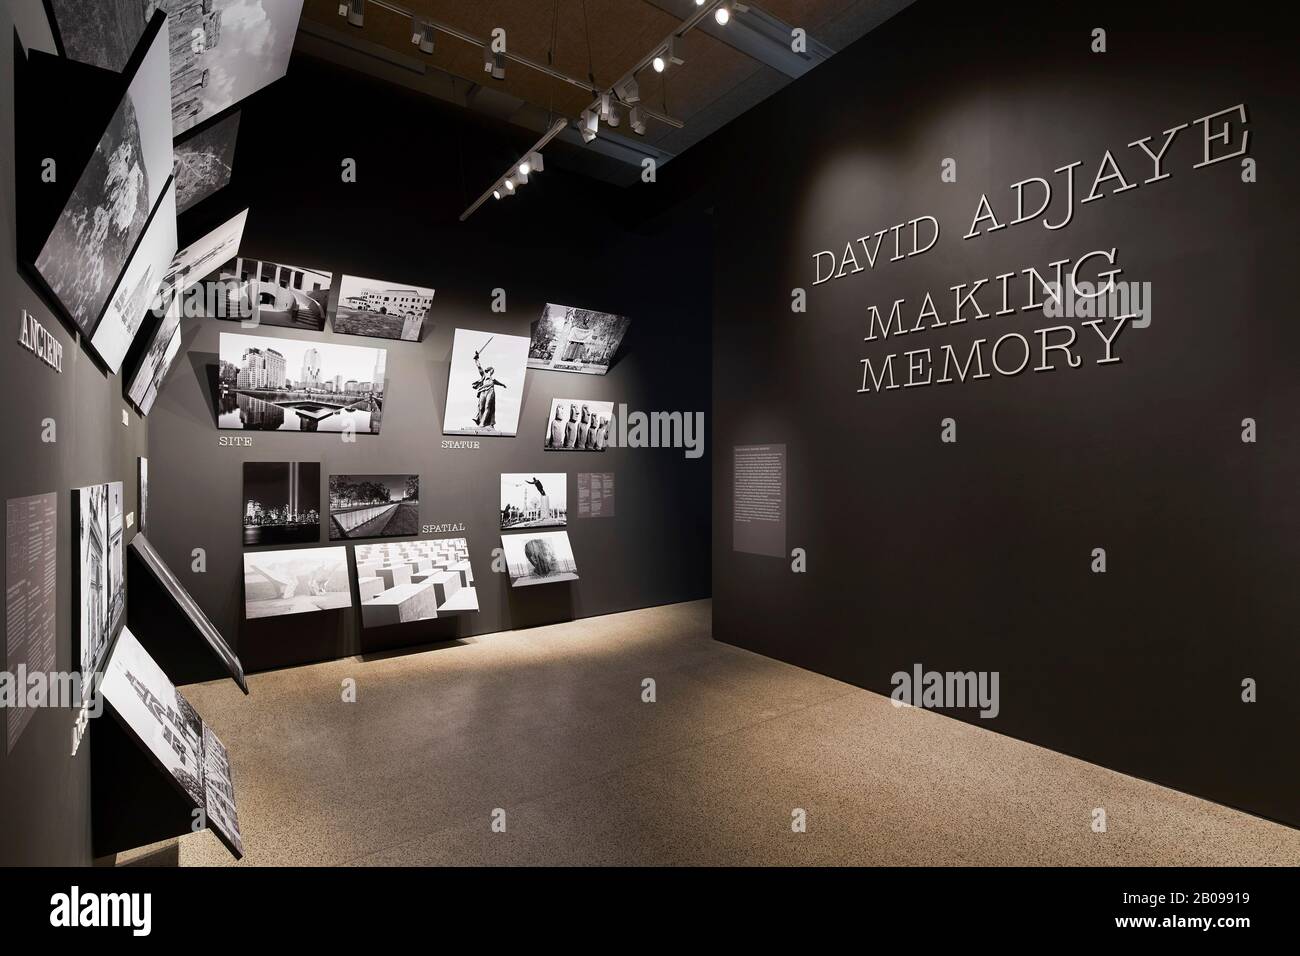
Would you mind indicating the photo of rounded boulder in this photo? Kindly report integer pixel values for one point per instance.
(545, 558)
(277, 583)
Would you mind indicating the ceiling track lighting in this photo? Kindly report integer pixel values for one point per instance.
(355, 11)
(722, 15)
(493, 62)
(637, 120)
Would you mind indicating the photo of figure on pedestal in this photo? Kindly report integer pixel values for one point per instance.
(406, 581)
(205, 162)
(281, 502)
(374, 506)
(101, 583)
(386, 310)
(486, 384)
(171, 730)
(245, 45)
(267, 293)
(138, 290)
(269, 384)
(534, 501)
(114, 197)
(566, 339)
(295, 582)
(543, 558)
(578, 424)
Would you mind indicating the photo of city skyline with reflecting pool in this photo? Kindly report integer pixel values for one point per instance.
(274, 384)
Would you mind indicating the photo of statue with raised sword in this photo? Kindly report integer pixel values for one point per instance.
(485, 385)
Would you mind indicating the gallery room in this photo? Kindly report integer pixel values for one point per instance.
(662, 433)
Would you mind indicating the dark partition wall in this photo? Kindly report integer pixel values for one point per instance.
(978, 554)
(418, 164)
(44, 790)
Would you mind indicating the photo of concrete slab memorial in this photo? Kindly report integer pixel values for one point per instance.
(401, 582)
(374, 506)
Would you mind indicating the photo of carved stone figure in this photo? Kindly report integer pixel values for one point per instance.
(577, 424)
(566, 339)
(544, 558)
(534, 501)
(485, 385)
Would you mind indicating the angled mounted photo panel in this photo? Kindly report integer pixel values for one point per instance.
(186, 604)
(485, 385)
(116, 194)
(566, 339)
(277, 583)
(544, 557)
(171, 732)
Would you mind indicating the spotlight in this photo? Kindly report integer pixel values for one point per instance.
(674, 53)
(355, 11)
(509, 184)
(525, 168)
(422, 35)
(589, 125)
(629, 91)
(637, 119)
(496, 194)
(534, 160)
(722, 15)
(659, 64)
(614, 117)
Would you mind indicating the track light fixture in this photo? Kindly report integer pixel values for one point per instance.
(355, 11)
(637, 118)
(494, 63)
(422, 35)
(509, 184)
(629, 91)
(589, 125)
(535, 160)
(496, 194)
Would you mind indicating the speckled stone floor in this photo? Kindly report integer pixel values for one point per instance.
(549, 726)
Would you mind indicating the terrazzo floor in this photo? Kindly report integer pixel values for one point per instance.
(549, 726)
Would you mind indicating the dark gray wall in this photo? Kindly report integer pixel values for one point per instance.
(976, 556)
(556, 242)
(45, 792)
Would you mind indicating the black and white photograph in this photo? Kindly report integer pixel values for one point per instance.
(219, 792)
(101, 585)
(566, 339)
(206, 255)
(137, 291)
(164, 346)
(281, 502)
(277, 583)
(205, 162)
(386, 310)
(545, 557)
(485, 386)
(268, 293)
(374, 506)
(189, 607)
(115, 194)
(403, 581)
(578, 424)
(157, 713)
(142, 492)
(103, 33)
(246, 45)
(531, 500)
(273, 384)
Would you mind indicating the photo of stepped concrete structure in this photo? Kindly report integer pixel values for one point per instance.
(407, 581)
